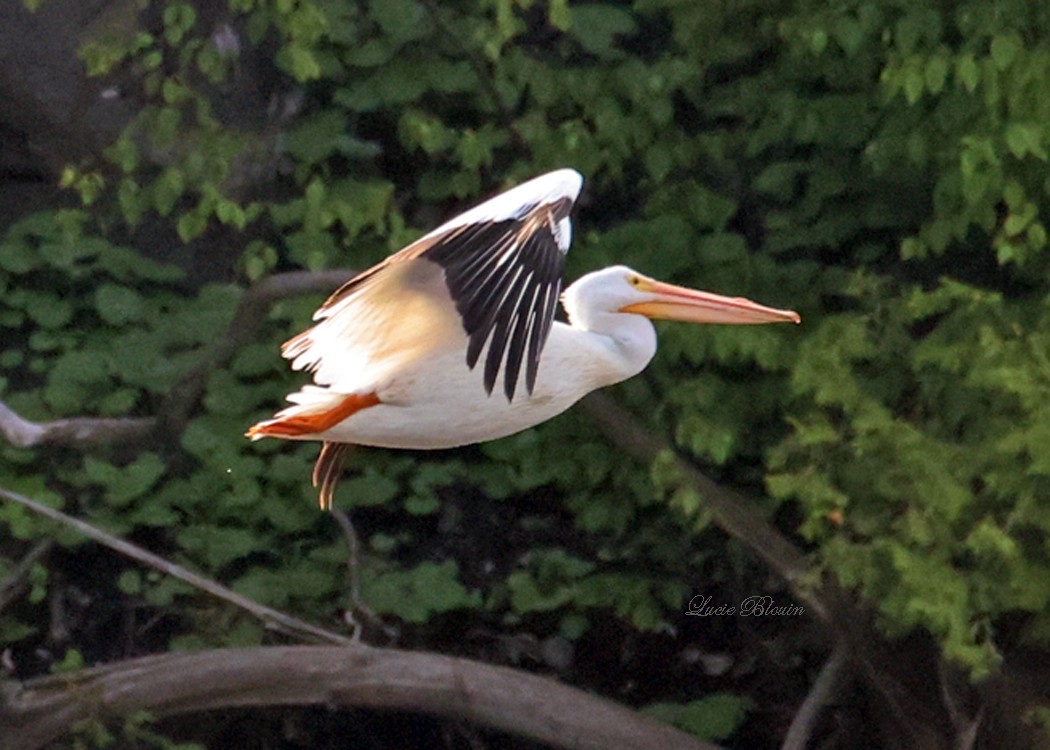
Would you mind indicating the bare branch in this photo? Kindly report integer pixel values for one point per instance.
(954, 687)
(358, 607)
(83, 432)
(501, 698)
(78, 431)
(274, 619)
(826, 688)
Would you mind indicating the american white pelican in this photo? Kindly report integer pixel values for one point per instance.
(394, 353)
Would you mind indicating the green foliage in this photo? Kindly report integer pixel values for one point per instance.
(137, 727)
(71, 662)
(417, 594)
(712, 718)
(913, 450)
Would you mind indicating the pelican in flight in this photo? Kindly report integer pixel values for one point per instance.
(453, 341)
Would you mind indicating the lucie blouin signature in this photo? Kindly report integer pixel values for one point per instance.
(752, 606)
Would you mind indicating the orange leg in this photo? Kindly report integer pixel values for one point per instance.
(328, 469)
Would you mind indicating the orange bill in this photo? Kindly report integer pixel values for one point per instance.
(670, 302)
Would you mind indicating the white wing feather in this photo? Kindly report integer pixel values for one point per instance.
(401, 313)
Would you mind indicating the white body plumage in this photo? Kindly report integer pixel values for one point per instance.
(432, 400)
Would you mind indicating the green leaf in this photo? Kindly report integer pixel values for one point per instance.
(369, 488)
(1004, 49)
(179, 18)
(86, 366)
(1017, 222)
(403, 20)
(936, 73)
(317, 136)
(1024, 138)
(130, 198)
(818, 41)
(72, 661)
(560, 15)
(850, 35)
(421, 130)
(174, 92)
(967, 72)
(138, 478)
(373, 52)
(526, 594)
(217, 545)
(191, 225)
(118, 305)
(128, 482)
(167, 189)
(1037, 236)
(17, 256)
(711, 719)
(48, 310)
(597, 27)
(130, 582)
(300, 61)
(422, 505)
(914, 82)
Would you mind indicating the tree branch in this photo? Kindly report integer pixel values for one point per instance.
(249, 317)
(274, 619)
(84, 432)
(734, 515)
(728, 509)
(826, 688)
(77, 431)
(501, 698)
(358, 609)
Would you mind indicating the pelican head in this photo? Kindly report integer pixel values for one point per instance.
(619, 290)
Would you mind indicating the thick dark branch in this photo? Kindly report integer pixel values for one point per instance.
(498, 697)
(822, 597)
(46, 99)
(729, 510)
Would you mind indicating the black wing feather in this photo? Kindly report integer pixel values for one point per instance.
(519, 337)
(505, 278)
(543, 310)
(501, 334)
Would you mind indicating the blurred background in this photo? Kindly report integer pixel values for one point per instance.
(878, 165)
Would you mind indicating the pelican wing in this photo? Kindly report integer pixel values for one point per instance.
(494, 272)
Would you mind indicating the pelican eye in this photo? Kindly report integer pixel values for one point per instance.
(634, 280)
